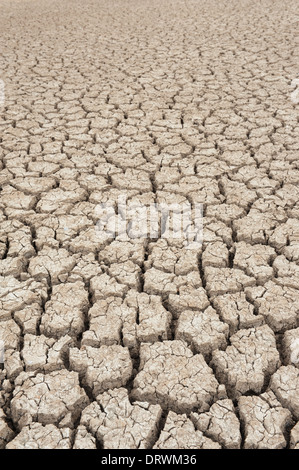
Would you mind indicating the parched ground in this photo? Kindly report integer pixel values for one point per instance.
(145, 343)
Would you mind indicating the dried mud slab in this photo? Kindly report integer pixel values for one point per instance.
(48, 399)
(179, 433)
(37, 436)
(118, 424)
(265, 421)
(102, 368)
(202, 330)
(250, 360)
(284, 384)
(220, 423)
(120, 124)
(169, 374)
(64, 312)
(280, 315)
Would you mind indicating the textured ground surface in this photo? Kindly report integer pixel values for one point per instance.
(144, 344)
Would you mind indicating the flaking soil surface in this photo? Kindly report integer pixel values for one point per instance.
(143, 342)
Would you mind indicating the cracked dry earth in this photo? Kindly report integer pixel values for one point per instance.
(144, 343)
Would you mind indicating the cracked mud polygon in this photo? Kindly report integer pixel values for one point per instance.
(146, 342)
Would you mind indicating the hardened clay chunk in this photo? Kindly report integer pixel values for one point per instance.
(169, 374)
(245, 365)
(119, 424)
(37, 436)
(265, 421)
(220, 423)
(48, 398)
(179, 433)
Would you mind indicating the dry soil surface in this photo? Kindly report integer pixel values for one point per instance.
(144, 343)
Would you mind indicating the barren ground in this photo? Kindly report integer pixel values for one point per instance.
(144, 343)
